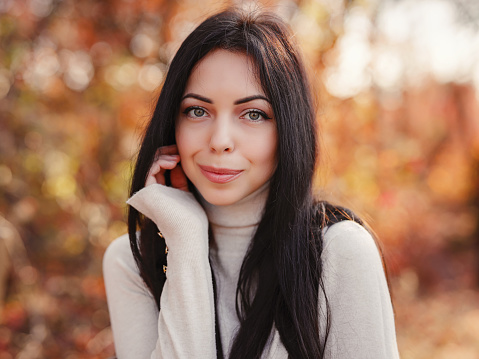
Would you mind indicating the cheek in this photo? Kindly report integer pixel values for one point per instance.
(186, 142)
(184, 139)
(271, 158)
(181, 141)
(265, 151)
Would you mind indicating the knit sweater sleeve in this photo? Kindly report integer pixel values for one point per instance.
(185, 325)
(362, 318)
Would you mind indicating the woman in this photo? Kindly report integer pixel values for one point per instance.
(253, 266)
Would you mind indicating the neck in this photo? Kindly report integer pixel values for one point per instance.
(233, 227)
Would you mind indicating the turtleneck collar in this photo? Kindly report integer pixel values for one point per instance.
(244, 213)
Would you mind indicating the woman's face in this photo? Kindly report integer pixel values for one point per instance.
(225, 131)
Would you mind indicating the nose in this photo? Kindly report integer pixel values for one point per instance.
(221, 139)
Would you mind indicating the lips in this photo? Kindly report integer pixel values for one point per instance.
(220, 175)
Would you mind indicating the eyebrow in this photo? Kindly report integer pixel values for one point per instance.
(237, 102)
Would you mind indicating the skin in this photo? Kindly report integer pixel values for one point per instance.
(225, 132)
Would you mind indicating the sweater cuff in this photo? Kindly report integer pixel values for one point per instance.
(177, 213)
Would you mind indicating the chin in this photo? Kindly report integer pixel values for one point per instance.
(220, 198)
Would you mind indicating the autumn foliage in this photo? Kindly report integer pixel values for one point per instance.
(78, 80)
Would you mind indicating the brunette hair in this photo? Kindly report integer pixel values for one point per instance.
(283, 263)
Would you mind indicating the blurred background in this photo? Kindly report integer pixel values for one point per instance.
(398, 86)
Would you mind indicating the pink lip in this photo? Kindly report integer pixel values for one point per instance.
(220, 175)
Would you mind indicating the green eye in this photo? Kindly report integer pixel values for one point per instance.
(195, 112)
(256, 115)
(198, 112)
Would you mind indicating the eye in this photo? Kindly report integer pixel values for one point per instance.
(195, 112)
(198, 112)
(256, 115)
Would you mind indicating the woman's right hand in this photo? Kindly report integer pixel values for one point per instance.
(167, 158)
(172, 208)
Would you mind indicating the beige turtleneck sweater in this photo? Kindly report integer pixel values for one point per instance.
(362, 321)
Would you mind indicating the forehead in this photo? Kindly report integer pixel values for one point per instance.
(222, 70)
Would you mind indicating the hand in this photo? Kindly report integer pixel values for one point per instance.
(167, 158)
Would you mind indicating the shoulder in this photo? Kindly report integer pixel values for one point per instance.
(118, 257)
(357, 294)
(118, 248)
(120, 270)
(348, 240)
(351, 255)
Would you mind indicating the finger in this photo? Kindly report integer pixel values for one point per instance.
(157, 171)
(175, 158)
(160, 165)
(166, 164)
(153, 180)
(163, 160)
(168, 150)
(165, 150)
(178, 178)
(157, 154)
(155, 175)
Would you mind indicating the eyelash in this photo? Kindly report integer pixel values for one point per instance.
(261, 113)
(191, 108)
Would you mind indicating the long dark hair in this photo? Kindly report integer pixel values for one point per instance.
(283, 263)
